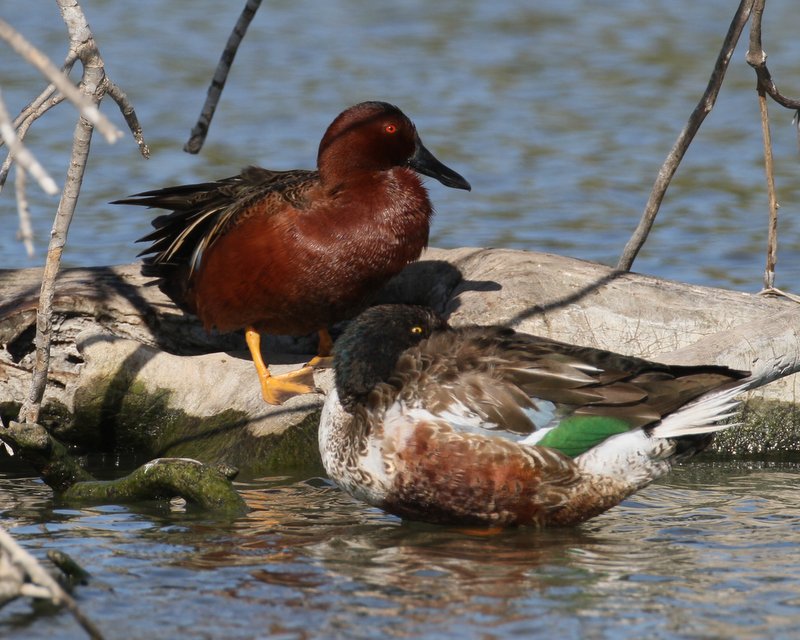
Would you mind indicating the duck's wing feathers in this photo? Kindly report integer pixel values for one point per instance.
(496, 380)
(200, 213)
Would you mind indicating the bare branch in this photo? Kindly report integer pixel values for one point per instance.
(33, 109)
(66, 208)
(87, 108)
(42, 584)
(769, 168)
(757, 58)
(119, 96)
(685, 138)
(45, 101)
(24, 157)
(22, 130)
(200, 130)
(25, 232)
(91, 89)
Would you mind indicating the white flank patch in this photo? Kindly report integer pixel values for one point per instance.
(634, 457)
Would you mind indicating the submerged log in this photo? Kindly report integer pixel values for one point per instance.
(201, 485)
(132, 373)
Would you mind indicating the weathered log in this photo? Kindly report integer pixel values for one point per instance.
(130, 372)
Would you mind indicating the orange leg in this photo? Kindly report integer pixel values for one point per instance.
(277, 389)
(323, 358)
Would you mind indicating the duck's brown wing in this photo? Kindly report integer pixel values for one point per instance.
(493, 379)
(201, 213)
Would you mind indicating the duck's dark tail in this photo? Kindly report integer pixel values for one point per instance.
(179, 237)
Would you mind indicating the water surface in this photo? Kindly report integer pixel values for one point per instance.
(711, 553)
(560, 114)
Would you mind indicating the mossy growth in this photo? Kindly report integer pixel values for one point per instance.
(52, 415)
(205, 486)
(226, 438)
(766, 429)
(120, 415)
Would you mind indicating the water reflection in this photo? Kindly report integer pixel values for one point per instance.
(711, 552)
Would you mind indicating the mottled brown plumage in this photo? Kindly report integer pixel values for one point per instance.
(484, 425)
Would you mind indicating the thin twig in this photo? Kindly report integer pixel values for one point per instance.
(22, 130)
(44, 585)
(45, 101)
(87, 108)
(200, 130)
(32, 109)
(778, 293)
(22, 155)
(128, 112)
(757, 58)
(685, 138)
(769, 168)
(25, 232)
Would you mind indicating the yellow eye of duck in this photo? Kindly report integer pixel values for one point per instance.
(416, 330)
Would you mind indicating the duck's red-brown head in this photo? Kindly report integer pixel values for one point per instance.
(377, 136)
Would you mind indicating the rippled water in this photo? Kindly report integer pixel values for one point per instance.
(560, 114)
(711, 553)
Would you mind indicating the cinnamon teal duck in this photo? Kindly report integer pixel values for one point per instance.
(292, 252)
(489, 426)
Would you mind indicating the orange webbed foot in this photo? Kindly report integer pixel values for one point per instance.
(320, 362)
(278, 389)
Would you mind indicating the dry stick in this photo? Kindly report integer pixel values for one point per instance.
(93, 85)
(200, 130)
(772, 235)
(40, 577)
(22, 130)
(66, 207)
(22, 155)
(121, 98)
(757, 59)
(685, 138)
(25, 232)
(32, 109)
(82, 41)
(30, 53)
(38, 107)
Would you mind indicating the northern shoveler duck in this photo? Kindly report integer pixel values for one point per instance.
(488, 426)
(292, 252)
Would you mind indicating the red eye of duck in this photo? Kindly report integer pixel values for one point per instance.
(390, 128)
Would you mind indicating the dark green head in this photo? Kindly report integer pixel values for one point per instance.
(367, 352)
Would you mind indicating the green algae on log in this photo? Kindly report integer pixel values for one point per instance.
(199, 484)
